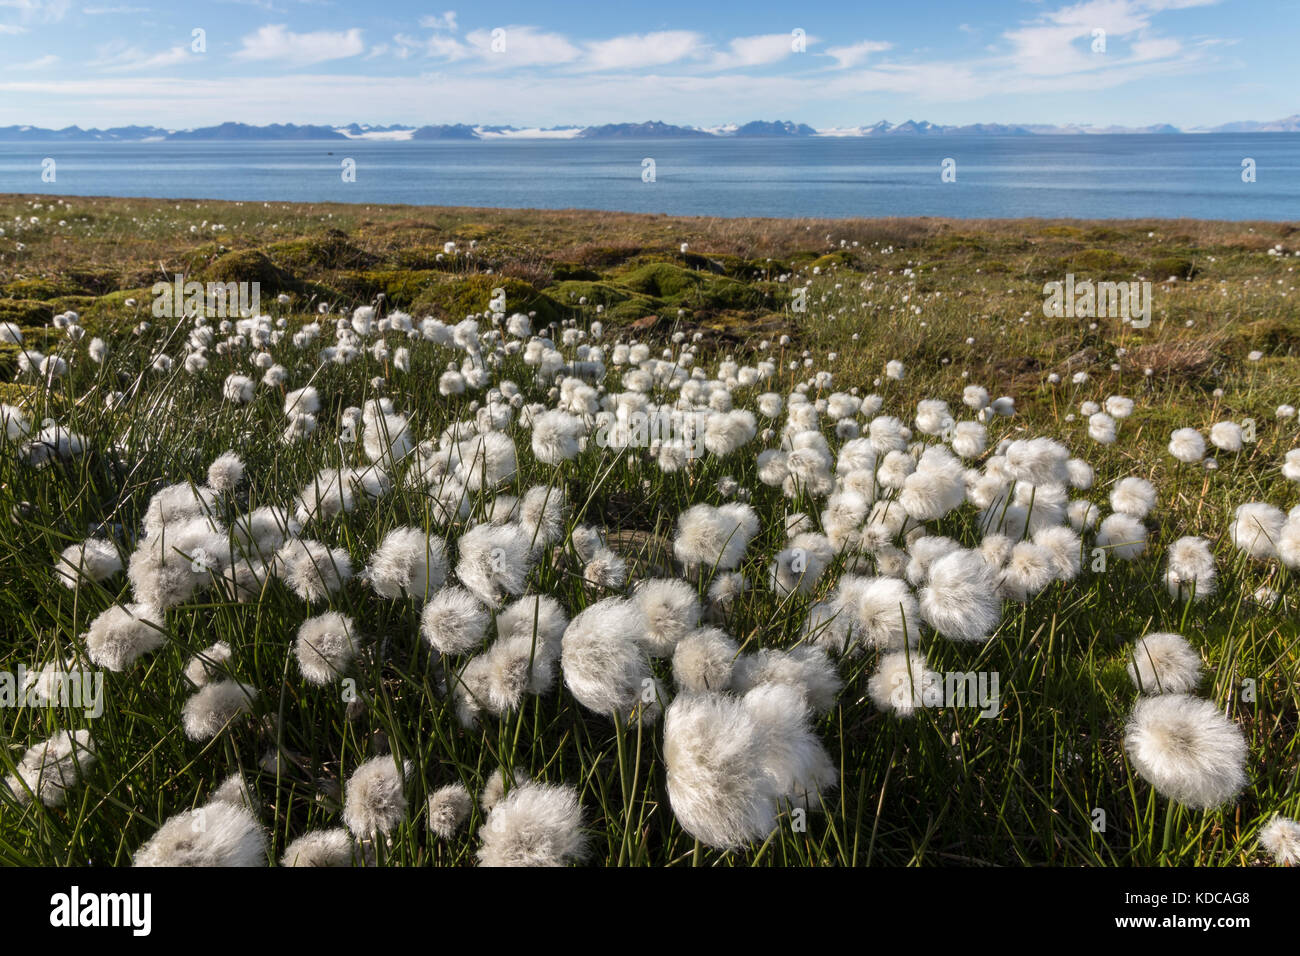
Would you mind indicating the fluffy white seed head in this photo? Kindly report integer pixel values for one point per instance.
(1164, 663)
(453, 621)
(961, 599)
(374, 799)
(217, 834)
(325, 647)
(535, 824)
(1187, 749)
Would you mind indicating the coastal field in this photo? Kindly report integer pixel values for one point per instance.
(337, 564)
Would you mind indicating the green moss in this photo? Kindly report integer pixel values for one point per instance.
(1271, 334)
(957, 244)
(1098, 261)
(25, 312)
(331, 250)
(401, 287)
(422, 257)
(1167, 266)
(840, 259)
(565, 271)
(42, 289)
(454, 298)
(682, 288)
(73, 303)
(1105, 234)
(1063, 232)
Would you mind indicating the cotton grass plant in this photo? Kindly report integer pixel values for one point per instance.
(403, 592)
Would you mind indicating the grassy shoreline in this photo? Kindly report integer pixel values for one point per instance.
(958, 302)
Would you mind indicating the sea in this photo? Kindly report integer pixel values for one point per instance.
(1201, 176)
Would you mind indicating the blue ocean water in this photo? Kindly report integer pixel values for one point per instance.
(1096, 176)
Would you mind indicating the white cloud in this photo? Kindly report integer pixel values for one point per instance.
(40, 63)
(275, 42)
(445, 22)
(754, 51)
(1059, 42)
(515, 46)
(118, 57)
(38, 11)
(855, 53)
(634, 51)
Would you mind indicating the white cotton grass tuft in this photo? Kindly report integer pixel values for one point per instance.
(329, 493)
(532, 616)
(711, 538)
(1288, 542)
(670, 609)
(1164, 663)
(543, 511)
(556, 437)
(325, 647)
(1038, 461)
(807, 668)
(605, 662)
(176, 504)
(209, 664)
(1102, 428)
(235, 790)
(409, 563)
(449, 808)
(225, 473)
(454, 621)
(1133, 496)
(52, 768)
(1281, 839)
(903, 682)
(1187, 445)
(1122, 536)
(536, 824)
(1227, 436)
(495, 561)
(514, 666)
(1029, 569)
(1064, 548)
(961, 601)
(1187, 749)
(704, 660)
(1291, 465)
(1191, 572)
(374, 798)
(494, 788)
(1256, 528)
(887, 614)
(94, 559)
(216, 834)
(334, 847)
(311, 569)
(735, 763)
(798, 567)
(119, 636)
(216, 704)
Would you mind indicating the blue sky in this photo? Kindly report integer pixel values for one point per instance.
(114, 62)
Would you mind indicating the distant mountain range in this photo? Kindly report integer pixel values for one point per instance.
(649, 130)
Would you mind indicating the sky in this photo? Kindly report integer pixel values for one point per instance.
(833, 64)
